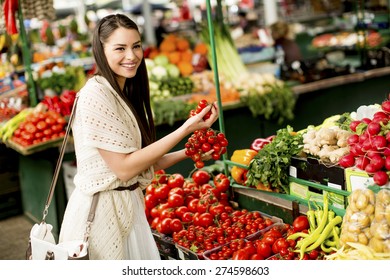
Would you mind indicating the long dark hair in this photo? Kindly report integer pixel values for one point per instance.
(136, 90)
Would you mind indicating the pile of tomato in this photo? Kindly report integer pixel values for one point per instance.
(196, 211)
(39, 127)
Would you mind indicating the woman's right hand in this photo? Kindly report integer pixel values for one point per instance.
(197, 122)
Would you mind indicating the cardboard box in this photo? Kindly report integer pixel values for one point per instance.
(312, 169)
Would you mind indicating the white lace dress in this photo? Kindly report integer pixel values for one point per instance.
(120, 229)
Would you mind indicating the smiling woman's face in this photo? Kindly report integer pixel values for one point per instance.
(124, 53)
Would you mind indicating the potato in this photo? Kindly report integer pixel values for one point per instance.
(382, 231)
(354, 228)
(355, 195)
(370, 209)
(367, 232)
(364, 220)
(383, 196)
(376, 244)
(362, 202)
(363, 239)
(379, 212)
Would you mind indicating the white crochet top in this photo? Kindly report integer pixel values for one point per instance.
(102, 120)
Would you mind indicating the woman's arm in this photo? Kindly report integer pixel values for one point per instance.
(170, 159)
(127, 166)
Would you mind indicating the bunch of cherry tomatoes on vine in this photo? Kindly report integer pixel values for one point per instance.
(205, 141)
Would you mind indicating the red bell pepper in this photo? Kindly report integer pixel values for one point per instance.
(10, 7)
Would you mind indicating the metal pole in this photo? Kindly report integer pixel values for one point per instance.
(216, 77)
(27, 60)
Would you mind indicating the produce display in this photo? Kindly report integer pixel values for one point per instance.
(38, 128)
(196, 212)
(347, 39)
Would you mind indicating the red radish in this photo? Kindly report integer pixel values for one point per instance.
(386, 151)
(387, 163)
(367, 145)
(361, 162)
(366, 120)
(381, 119)
(371, 154)
(377, 162)
(381, 178)
(363, 137)
(379, 142)
(356, 149)
(353, 139)
(373, 128)
(380, 115)
(388, 136)
(347, 161)
(370, 169)
(353, 125)
(386, 106)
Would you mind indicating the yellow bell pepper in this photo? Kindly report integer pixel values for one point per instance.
(243, 157)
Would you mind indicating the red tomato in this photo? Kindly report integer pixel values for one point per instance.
(300, 223)
(165, 226)
(202, 206)
(257, 257)
(176, 190)
(167, 213)
(176, 225)
(313, 254)
(217, 209)
(264, 249)
(48, 132)
(162, 191)
(180, 211)
(269, 239)
(205, 188)
(155, 222)
(175, 200)
(280, 244)
(154, 212)
(193, 204)
(176, 181)
(150, 201)
(206, 220)
(240, 254)
(50, 121)
(187, 217)
(41, 125)
(221, 182)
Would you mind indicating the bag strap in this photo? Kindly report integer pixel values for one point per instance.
(91, 214)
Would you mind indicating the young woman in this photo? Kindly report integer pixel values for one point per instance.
(116, 149)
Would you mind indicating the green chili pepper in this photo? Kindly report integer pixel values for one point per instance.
(329, 227)
(297, 235)
(314, 236)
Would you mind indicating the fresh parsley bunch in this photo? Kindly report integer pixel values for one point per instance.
(270, 166)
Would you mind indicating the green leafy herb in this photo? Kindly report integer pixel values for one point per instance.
(270, 166)
(344, 121)
(278, 102)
